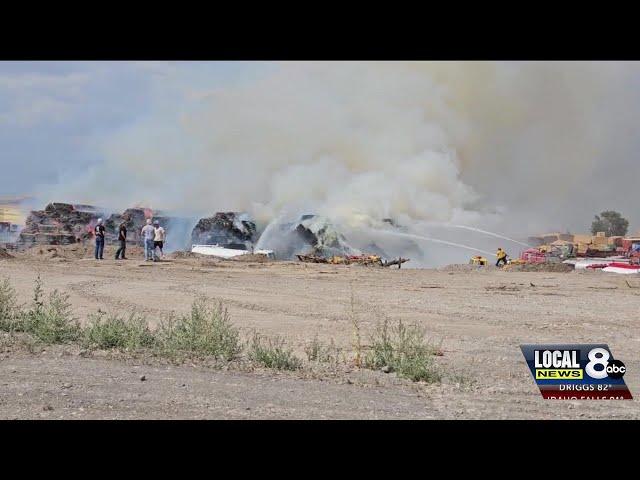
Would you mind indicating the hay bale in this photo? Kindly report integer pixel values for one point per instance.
(579, 238)
(599, 240)
(227, 229)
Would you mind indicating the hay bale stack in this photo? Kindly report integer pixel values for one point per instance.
(57, 224)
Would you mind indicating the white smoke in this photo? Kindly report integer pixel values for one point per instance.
(514, 146)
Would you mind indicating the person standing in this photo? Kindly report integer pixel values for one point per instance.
(122, 238)
(148, 233)
(502, 257)
(158, 239)
(99, 234)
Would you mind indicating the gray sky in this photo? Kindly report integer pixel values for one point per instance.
(53, 114)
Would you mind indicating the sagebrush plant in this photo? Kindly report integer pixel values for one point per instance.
(8, 306)
(381, 353)
(206, 330)
(272, 353)
(49, 319)
(318, 352)
(314, 350)
(105, 331)
(402, 348)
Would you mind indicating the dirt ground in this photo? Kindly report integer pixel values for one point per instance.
(479, 317)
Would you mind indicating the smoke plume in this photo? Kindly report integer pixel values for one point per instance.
(516, 147)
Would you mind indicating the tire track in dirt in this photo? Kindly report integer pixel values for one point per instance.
(86, 289)
(257, 307)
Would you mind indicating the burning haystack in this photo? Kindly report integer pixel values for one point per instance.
(227, 229)
(309, 235)
(58, 224)
(322, 237)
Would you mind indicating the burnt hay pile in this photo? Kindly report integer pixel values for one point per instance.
(227, 229)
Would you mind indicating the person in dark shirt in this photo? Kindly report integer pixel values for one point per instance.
(99, 233)
(122, 238)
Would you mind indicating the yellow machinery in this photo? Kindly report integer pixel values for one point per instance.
(478, 260)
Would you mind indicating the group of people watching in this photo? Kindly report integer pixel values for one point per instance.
(153, 236)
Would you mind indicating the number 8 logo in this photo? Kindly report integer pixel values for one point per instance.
(594, 360)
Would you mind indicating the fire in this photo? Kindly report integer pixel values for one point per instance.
(90, 226)
(148, 213)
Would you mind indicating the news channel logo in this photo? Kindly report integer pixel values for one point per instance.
(577, 372)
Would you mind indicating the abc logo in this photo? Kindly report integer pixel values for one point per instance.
(616, 369)
(600, 367)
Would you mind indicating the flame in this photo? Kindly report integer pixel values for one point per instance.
(148, 213)
(91, 225)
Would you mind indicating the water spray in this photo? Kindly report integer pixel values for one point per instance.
(434, 240)
(497, 235)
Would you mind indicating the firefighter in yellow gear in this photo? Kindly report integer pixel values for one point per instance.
(502, 257)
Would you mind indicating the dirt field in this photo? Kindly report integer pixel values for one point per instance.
(479, 317)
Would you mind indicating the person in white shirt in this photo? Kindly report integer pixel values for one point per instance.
(158, 239)
(148, 234)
